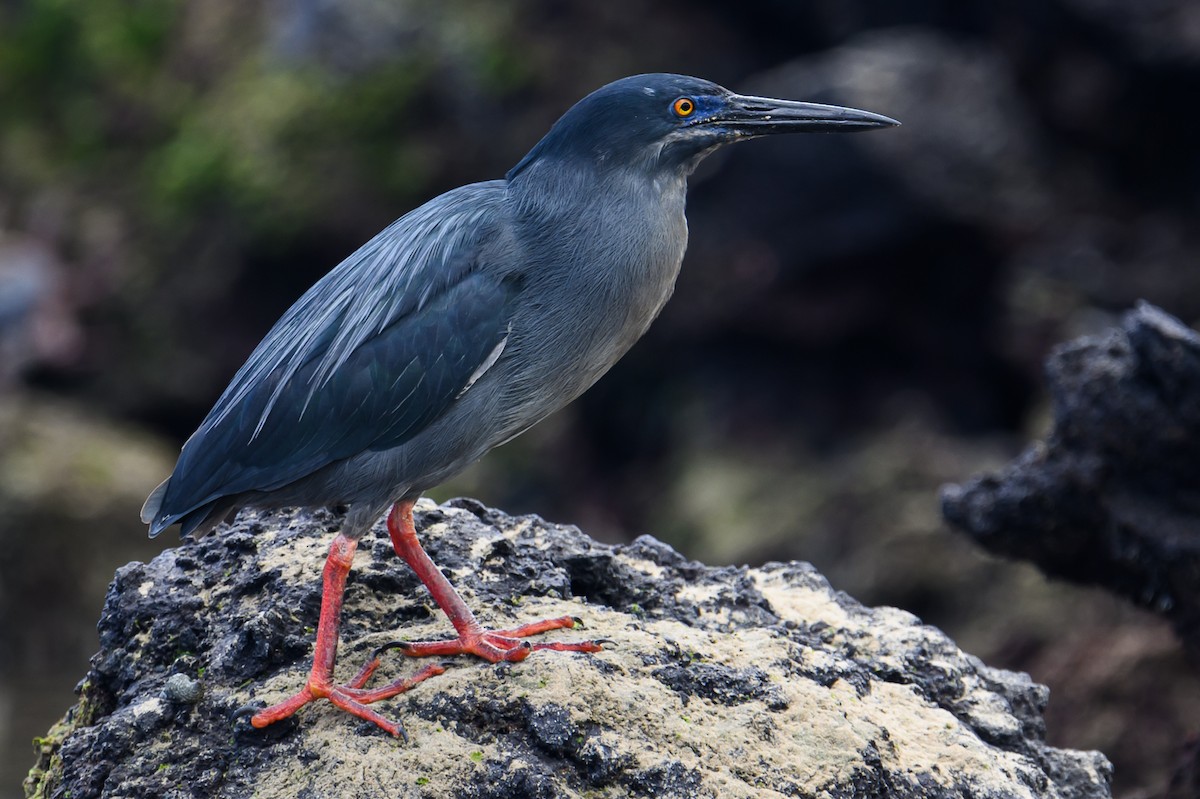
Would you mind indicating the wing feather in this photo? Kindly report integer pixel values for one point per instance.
(372, 354)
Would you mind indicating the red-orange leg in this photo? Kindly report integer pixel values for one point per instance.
(491, 645)
(351, 697)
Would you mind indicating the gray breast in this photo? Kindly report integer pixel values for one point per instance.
(594, 290)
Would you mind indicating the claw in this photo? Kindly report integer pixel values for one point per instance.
(379, 650)
(249, 709)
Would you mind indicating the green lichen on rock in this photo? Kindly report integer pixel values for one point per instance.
(46, 775)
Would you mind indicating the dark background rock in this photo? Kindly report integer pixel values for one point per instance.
(729, 682)
(1110, 498)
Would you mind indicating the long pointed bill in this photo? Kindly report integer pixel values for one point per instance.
(760, 116)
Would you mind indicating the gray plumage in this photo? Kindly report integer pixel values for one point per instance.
(473, 317)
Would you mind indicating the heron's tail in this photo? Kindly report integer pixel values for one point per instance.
(154, 504)
(195, 522)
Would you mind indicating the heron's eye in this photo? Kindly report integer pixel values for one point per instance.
(684, 107)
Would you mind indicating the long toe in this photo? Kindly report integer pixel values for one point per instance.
(366, 696)
(282, 710)
(541, 626)
(545, 625)
(488, 645)
(340, 698)
(351, 697)
(497, 646)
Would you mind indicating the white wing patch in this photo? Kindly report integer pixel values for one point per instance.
(488, 362)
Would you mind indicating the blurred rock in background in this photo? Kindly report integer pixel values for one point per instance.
(859, 319)
(1109, 497)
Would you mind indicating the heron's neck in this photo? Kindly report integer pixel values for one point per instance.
(616, 237)
(552, 189)
(610, 241)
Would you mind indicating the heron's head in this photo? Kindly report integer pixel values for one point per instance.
(669, 122)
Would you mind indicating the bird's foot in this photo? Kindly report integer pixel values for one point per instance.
(351, 697)
(495, 646)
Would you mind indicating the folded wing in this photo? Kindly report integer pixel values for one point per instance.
(372, 354)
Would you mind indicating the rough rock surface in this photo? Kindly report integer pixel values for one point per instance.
(729, 682)
(1110, 497)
